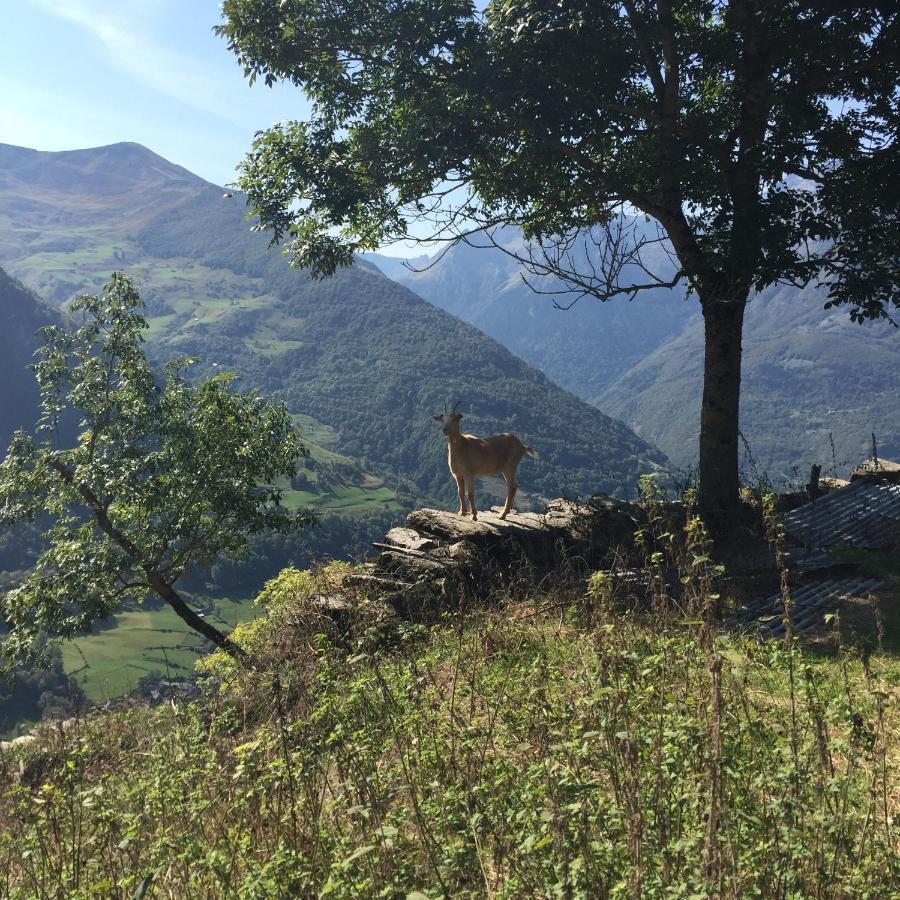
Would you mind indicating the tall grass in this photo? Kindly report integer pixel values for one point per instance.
(562, 743)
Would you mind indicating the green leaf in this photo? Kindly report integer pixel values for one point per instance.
(359, 852)
(141, 890)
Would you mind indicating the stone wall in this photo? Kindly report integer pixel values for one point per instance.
(438, 558)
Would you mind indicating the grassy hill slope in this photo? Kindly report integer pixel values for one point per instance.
(530, 751)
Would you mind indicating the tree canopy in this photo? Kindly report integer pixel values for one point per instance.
(163, 476)
(759, 138)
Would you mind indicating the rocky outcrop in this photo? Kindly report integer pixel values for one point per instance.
(439, 561)
(439, 558)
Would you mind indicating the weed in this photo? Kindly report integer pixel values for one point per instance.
(546, 746)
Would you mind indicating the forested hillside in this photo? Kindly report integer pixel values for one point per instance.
(810, 376)
(368, 360)
(582, 344)
(21, 315)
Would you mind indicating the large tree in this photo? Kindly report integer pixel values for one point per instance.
(163, 476)
(760, 138)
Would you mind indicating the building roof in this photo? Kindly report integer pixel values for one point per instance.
(865, 514)
(809, 604)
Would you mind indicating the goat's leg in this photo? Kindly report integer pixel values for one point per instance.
(470, 490)
(510, 493)
(461, 490)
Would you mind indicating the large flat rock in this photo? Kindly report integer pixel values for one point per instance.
(409, 539)
(451, 527)
(568, 529)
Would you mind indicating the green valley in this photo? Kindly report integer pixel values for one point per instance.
(140, 643)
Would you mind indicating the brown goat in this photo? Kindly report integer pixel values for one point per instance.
(470, 457)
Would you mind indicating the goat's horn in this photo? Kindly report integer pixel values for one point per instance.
(455, 405)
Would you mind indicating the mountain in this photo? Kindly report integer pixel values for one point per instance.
(62, 214)
(362, 358)
(395, 267)
(815, 388)
(815, 385)
(21, 315)
(583, 347)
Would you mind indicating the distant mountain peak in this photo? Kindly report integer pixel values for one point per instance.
(115, 168)
(126, 182)
(131, 152)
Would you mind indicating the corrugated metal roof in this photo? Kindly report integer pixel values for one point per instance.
(810, 604)
(805, 559)
(864, 514)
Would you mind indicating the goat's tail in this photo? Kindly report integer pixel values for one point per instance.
(530, 451)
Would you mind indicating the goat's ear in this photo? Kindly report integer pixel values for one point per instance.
(457, 416)
(438, 418)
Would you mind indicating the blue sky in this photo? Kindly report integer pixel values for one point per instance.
(83, 73)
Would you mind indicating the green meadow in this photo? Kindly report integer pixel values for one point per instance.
(110, 663)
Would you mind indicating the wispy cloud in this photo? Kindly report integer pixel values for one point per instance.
(132, 35)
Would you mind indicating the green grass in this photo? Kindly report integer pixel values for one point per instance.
(274, 346)
(157, 325)
(94, 256)
(109, 663)
(323, 454)
(186, 284)
(545, 748)
(350, 497)
(182, 305)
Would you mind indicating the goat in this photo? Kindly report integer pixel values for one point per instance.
(470, 456)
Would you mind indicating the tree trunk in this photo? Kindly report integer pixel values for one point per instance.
(723, 326)
(194, 620)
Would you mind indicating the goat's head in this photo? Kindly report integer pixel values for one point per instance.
(450, 420)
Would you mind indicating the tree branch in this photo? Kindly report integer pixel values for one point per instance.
(97, 508)
(192, 619)
(602, 278)
(650, 63)
(154, 578)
